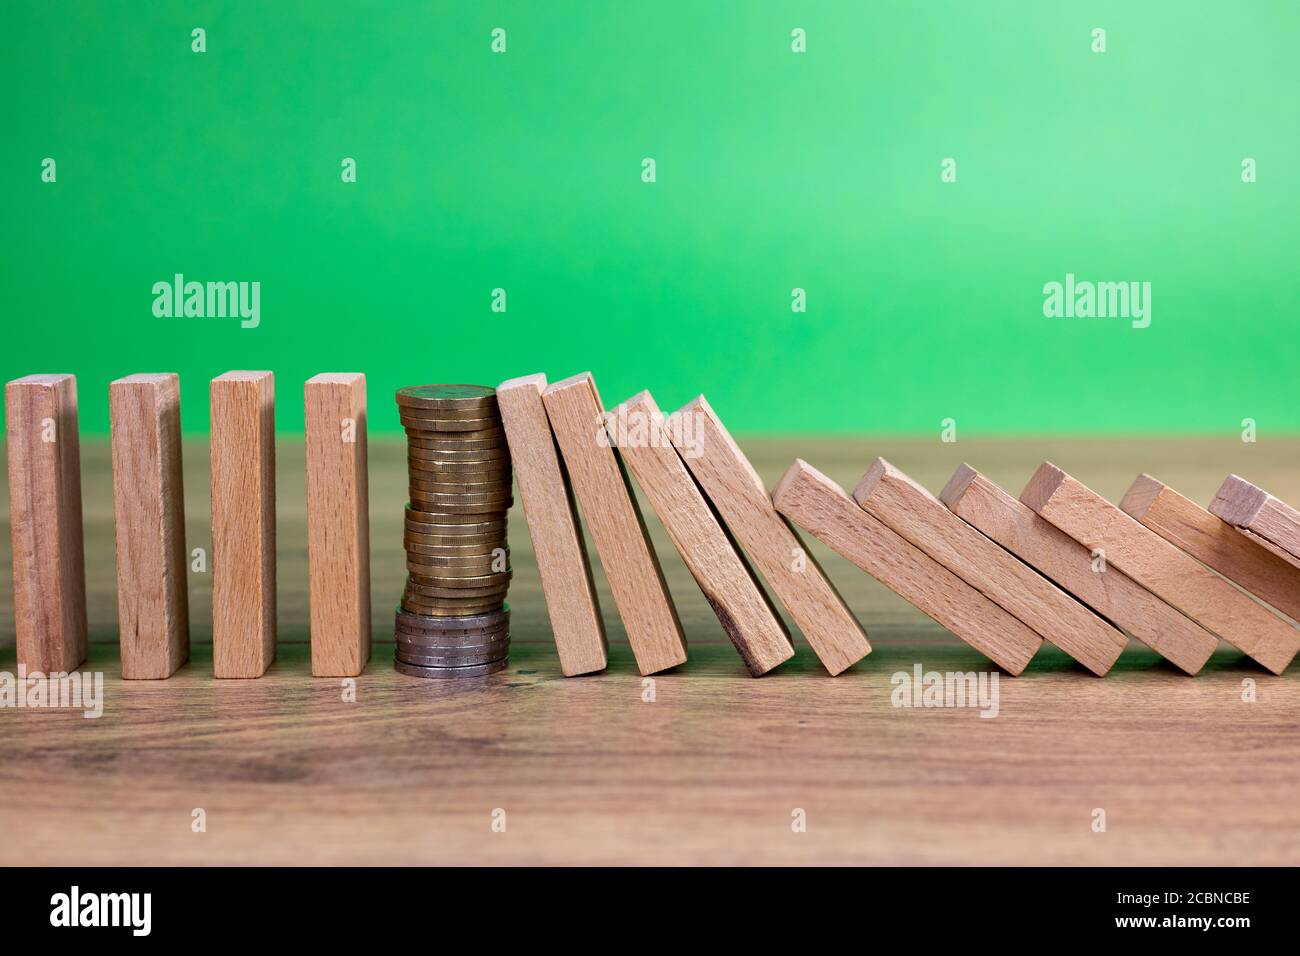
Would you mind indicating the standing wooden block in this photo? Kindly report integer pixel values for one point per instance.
(553, 525)
(737, 492)
(1108, 591)
(1261, 517)
(1214, 542)
(338, 523)
(1161, 568)
(45, 522)
(822, 508)
(153, 607)
(637, 428)
(612, 514)
(243, 524)
(910, 510)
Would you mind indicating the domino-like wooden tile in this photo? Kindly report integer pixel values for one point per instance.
(1107, 590)
(824, 510)
(911, 511)
(638, 429)
(1162, 568)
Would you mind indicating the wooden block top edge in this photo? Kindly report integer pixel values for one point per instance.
(1141, 495)
(800, 470)
(146, 378)
(43, 378)
(573, 381)
(867, 484)
(641, 400)
(337, 378)
(244, 376)
(537, 381)
(958, 484)
(1238, 501)
(1042, 485)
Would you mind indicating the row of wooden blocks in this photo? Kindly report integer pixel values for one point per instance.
(1059, 564)
(149, 514)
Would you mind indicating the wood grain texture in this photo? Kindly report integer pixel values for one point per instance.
(737, 492)
(1264, 518)
(551, 513)
(1161, 568)
(824, 510)
(637, 428)
(243, 523)
(614, 518)
(1107, 590)
(1214, 542)
(338, 523)
(149, 517)
(289, 773)
(910, 510)
(45, 522)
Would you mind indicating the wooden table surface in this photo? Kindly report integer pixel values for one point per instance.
(711, 771)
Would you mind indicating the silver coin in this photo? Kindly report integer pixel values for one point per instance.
(444, 673)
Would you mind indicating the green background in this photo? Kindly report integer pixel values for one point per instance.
(775, 170)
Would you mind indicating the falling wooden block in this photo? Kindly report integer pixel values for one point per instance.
(1161, 568)
(910, 510)
(736, 491)
(553, 526)
(612, 514)
(338, 523)
(45, 522)
(243, 523)
(1267, 521)
(1214, 542)
(824, 510)
(153, 607)
(637, 428)
(1108, 591)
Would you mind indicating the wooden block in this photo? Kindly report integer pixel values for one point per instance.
(825, 511)
(45, 522)
(637, 428)
(153, 606)
(338, 523)
(736, 491)
(1161, 568)
(243, 523)
(552, 518)
(1263, 518)
(910, 510)
(1109, 592)
(1214, 542)
(612, 514)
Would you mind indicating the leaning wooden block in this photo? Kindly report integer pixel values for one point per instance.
(637, 428)
(911, 511)
(243, 523)
(1261, 517)
(736, 491)
(338, 523)
(552, 518)
(822, 508)
(153, 605)
(1161, 568)
(612, 514)
(1108, 591)
(45, 522)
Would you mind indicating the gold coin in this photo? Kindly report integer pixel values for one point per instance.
(415, 516)
(447, 396)
(413, 423)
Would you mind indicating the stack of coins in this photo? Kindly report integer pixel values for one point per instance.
(453, 621)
